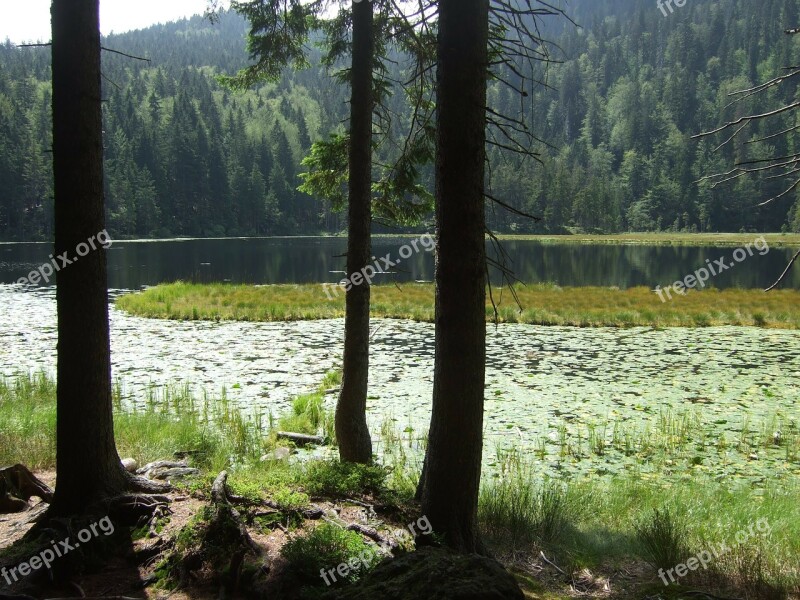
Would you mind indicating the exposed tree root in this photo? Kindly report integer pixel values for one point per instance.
(223, 542)
(133, 509)
(126, 509)
(227, 514)
(147, 486)
(313, 512)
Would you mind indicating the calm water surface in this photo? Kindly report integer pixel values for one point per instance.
(311, 260)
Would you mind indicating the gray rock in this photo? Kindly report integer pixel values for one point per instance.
(277, 455)
(130, 465)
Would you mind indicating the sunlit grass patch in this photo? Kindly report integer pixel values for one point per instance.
(170, 419)
(543, 304)
(28, 421)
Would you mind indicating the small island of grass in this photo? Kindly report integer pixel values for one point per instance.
(541, 305)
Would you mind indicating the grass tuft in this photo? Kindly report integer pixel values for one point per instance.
(663, 539)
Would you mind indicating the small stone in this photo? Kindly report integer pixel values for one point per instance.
(277, 454)
(130, 465)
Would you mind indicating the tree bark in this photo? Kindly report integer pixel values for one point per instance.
(352, 433)
(451, 477)
(89, 468)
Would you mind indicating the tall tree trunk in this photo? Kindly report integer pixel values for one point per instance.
(352, 432)
(451, 477)
(89, 468)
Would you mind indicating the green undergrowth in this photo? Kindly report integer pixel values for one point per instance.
(324, 547)
(540, 304)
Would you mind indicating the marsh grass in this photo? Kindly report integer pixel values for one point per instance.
(542, 304)
(28, 421)
(673, 436)
(401, 450)
(173, 418)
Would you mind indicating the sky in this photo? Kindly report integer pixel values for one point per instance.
(29, 20)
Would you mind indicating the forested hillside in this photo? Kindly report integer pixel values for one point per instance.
(186, 157)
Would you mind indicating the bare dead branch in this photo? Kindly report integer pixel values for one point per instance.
(765, 115)
(124, 54)
(785, 273)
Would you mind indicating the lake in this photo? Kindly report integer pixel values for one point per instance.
(572, 399)
(579, 403)
(133, 264)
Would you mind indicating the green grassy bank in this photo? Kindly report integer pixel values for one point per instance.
(541, 305)
(602, 526)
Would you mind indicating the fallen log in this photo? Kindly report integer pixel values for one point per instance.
(369, 532)
(301, 439)
(162, 464)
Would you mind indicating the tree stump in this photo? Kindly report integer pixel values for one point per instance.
(17, 486)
